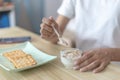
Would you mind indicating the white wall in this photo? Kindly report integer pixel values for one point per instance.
(29, 13)
(51, 7)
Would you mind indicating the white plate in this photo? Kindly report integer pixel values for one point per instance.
(40, 57)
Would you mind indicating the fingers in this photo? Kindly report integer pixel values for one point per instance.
(83, 58)
(96, 66)
(85, 63)
(47, 24)
(101, 67)
(90, 66)
(54, 22)
(46, 27)
(47, 32)
(49, 21)
(95, 60)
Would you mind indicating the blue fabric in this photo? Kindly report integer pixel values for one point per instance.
(4, 20)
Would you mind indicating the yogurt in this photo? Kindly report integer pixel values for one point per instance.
(68, 56)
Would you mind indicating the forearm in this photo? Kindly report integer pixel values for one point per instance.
(115, 53)
(62, 21)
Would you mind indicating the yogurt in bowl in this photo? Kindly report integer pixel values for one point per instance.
(68, 56)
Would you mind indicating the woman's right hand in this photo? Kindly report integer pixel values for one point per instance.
(47, 32)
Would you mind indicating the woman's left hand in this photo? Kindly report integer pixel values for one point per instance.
(95, 60)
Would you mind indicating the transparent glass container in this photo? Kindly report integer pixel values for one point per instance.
(68, 56)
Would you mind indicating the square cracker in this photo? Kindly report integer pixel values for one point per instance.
(20, 59)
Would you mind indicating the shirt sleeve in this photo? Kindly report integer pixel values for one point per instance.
(67, 9)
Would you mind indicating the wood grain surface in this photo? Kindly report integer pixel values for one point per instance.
(53, 70)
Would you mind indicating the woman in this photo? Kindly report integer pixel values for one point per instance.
(97, 25)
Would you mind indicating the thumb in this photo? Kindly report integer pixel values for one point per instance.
(54, 23)
(51, 18)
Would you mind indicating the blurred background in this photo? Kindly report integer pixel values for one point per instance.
(27, 13)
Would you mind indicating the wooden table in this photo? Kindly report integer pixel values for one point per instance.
(53, 70)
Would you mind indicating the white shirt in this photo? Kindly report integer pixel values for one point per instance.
(97, 22)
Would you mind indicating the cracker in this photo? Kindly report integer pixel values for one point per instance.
(20, 59)
(16, 53)
(25, 61)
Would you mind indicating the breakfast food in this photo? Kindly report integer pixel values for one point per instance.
(20, 59)
(68, 56)
(64, 42)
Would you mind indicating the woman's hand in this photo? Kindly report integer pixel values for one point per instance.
(47, 31)
(95, 60)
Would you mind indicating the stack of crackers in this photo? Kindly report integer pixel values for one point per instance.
(20, 59)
